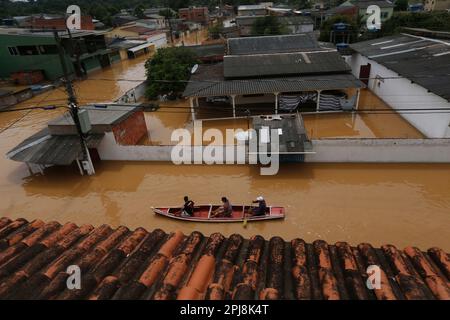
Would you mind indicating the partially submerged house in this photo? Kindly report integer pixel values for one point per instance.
(132, 31)
(409, 72)
(30, 51)
(59, 144)
(272, 74)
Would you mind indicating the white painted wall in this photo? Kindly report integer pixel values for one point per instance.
(381, 150)
(301, 28)
(329, 150)
(401, 94)
(159, 40)
(133, 95)
(108, 149)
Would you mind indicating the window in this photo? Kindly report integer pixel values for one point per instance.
(384, 15)
(28, 50)
(13, 51)
(48, 49)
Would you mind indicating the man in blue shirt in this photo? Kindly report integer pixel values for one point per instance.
(260, 210)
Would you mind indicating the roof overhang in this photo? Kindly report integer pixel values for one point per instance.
(211, 88)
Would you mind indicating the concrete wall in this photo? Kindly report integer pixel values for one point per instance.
(402, 93)
(133, 95)
(330, 150)
(159, 40)
(381, 150)
(108, 149)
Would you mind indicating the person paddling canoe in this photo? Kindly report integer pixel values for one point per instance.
(188, 208)
(225, 210)
(260, 210)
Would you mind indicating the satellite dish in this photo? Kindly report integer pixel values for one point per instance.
(194, 69)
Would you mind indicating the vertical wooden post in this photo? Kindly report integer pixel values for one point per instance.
(358, 93)
(191, 103)
(234, 105)
(318, 100)
(276, 102)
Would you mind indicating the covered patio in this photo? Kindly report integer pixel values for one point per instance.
(209, 93)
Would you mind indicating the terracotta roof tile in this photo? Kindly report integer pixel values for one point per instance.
(124, 264)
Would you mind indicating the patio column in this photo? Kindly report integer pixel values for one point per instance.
(276, 102)
(358, 94)
(318, 100)
(191, 103)
(234, 105)
(196, 102)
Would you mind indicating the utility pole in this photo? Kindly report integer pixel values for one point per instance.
(73, 105)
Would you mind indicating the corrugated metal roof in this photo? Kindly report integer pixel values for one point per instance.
(46, 149)
(124, 264)
(209, 81)
(272, 44)
(101, 114)
(423, 60)
(297, 63)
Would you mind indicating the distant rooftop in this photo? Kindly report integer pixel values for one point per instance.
(363, 4)
(119, 263)
(272, 44)
(425, 61)
(49, 33)
(252, 7)
(277, 64)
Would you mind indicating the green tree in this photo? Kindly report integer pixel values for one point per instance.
(268, 25)
(327, 26)
(401, 5)
(167, 13)
(173, 65)
(215, 31)
(439, 21)
(139, 11)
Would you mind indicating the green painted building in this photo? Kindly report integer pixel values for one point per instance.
(24, 50)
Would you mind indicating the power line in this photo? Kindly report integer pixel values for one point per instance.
(267, 80)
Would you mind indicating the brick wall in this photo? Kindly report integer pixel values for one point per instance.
(60, 23)
(131, 130)
(200, 14)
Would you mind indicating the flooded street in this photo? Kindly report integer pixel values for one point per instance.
(366, 124)
(402, 204)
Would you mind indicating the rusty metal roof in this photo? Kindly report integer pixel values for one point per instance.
(124, 264)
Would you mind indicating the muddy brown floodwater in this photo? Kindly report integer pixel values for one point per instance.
(403, 204)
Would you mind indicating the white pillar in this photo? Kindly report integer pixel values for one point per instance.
(196, 102)
(318, 100)
(358, 92)
(276, 102)
(234, 105)
(191, 103)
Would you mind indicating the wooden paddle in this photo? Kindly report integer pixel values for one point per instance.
(244, 223)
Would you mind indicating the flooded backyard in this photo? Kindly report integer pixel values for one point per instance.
(403, 204)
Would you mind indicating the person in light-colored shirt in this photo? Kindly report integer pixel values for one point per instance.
(225, 210)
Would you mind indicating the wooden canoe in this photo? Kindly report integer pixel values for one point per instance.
(202, 213)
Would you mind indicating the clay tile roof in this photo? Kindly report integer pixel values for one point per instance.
(138, 264)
